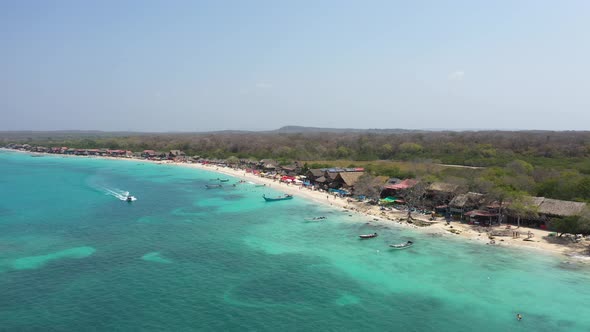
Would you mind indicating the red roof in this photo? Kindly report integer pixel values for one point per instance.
(405, 184)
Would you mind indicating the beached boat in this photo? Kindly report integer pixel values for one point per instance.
(212, 186)
(402, 245)
(278, 198)
(368, 236)
(316, 219)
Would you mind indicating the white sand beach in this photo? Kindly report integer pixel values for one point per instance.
(540, 238)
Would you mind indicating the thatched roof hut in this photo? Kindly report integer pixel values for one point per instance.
(443, 187)
(315, 173)
(380, 181)
(469, 199)
(348, 179)
(559, 208)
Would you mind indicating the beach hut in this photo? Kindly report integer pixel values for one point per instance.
(394, 189)
(346, 180)
(542, 210)
(463, 203)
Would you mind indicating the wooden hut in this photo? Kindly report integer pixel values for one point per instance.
(463, 203)
(346, 180)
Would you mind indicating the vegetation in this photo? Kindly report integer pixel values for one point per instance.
(537, 163)
(572, 225)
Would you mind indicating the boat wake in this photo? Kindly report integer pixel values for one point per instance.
(120, 194)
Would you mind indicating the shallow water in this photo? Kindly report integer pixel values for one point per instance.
(186, 258)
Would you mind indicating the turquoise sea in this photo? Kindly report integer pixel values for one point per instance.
(73, 257)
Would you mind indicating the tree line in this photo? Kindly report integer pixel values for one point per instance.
(540, 163)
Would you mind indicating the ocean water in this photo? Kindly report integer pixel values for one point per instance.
(74, 257)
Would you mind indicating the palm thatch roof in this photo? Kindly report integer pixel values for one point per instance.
(316, 172)
(443, 187)
(320, 179)
(556, 207)
(379, 181)
(350, 178)
(469, 199)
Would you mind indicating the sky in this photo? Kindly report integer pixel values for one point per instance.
(258, 65)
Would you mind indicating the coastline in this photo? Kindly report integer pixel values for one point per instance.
(391, 218)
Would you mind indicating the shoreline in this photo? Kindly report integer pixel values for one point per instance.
(389, 217)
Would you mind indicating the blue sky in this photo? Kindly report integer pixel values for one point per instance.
(200, 65)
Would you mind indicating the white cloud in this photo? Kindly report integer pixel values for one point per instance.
(456, 75)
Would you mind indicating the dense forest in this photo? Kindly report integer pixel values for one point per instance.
(540, 163)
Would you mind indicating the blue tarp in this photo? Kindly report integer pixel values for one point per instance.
(339, 191)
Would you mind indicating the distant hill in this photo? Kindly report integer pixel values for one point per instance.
(301, 129)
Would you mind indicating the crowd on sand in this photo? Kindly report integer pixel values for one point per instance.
(503, 235)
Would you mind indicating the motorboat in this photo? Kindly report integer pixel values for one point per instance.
(322, 218)
(130, 198)
(277, 198)
(402, 245)
(367, 236)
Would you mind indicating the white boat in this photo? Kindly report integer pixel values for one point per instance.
(130, 198)
(402, 245)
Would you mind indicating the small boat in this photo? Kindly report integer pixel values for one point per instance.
(278, 198)
(260, 185)
(402, 245)
(316, 218)
(223, 180)
(212, 186)
(130, 198)
(368, 236)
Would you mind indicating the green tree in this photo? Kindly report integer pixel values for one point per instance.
(572, 224)
(521, 206)
(414, 196)
(411, 148)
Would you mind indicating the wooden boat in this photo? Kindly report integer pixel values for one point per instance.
(223, 180)
(260, 185)
(316, 219)
(402, 245)
(212, 186)
(278, 198)
(368, 236)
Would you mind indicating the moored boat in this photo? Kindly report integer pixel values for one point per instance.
(212, 186)
(368, 236)
(402, 245)
(316, 218)
(223, 180)
(277, 198)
